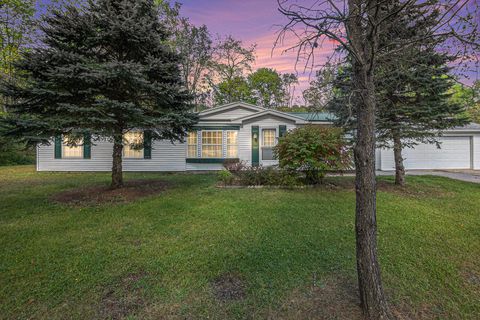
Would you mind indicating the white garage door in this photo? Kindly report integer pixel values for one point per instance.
(453, 154)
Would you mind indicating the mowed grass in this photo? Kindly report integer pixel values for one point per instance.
(160, 256)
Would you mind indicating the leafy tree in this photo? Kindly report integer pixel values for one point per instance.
(16, 28)
(468, 98)
(236, 89)
(267, 87)
(289, 80)
(104, 69)
(294, 108)
(196, 49)
(313, 150)
(320, 91)
(231, 61)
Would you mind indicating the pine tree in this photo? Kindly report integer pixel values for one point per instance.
(413, 89)
(104, 69)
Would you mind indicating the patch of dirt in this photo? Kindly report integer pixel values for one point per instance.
(228, 287)
(124, 298)
(334, 298)
(471, 276)
(132, 190)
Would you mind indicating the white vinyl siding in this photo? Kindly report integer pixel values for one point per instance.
(165, 157)
(245, 138)
(72, 151)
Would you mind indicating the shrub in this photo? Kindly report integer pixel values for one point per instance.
(234, 166)
(267, 176)
(14, 153)
(313, 150)
(226, 177)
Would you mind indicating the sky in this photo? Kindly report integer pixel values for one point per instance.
(258, 21)
(252, 21)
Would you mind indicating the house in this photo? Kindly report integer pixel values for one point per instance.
(248, 133)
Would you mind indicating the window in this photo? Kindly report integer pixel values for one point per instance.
(133, 140)
(192, 144)
(268, 142)
(212, 144)
(232, 144)
(72, 151)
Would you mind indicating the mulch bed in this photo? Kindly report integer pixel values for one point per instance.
(132, 190)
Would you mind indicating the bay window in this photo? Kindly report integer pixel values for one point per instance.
(212, 144)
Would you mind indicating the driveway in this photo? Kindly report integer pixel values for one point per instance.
(463, 175)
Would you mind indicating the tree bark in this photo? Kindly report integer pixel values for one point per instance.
(364, 39)
(399, 167)
(372, 296)
(117, 172)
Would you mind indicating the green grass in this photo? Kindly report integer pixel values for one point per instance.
(61, 262)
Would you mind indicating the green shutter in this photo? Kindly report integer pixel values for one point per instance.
(255, 145)
(87, 145)
(282, 131)
(147, 144)
(58, 146)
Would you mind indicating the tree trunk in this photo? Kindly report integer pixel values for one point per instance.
(399, 168)
(372, 296)
(117, 172)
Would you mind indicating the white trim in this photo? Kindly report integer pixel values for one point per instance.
(230, 106)
(280, 114)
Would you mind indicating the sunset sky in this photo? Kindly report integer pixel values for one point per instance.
(252, 21)
(258, 21)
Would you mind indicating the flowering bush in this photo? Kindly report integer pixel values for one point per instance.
(313, 150)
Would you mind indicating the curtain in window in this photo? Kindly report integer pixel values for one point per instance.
(133, 140)
(192, 144)
(268, 142)
(72, 151)
(212, 144)
(232, 144)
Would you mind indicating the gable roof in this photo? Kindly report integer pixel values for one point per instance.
(229, 106)
(256, 112)
(267, 112)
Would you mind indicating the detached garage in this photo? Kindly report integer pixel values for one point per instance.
(459, 149)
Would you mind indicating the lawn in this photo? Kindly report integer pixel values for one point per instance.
(198, 251)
